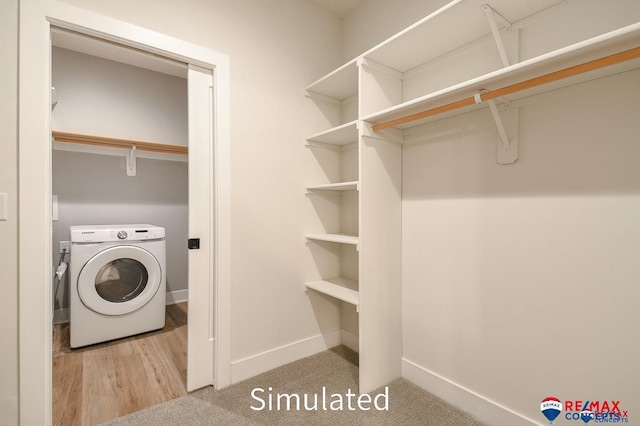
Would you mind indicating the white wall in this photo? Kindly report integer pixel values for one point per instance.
(276, 48)
(376, 20)
(9, 229)
(102, 97)
(520, 281)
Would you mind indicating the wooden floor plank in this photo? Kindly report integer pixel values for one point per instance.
(67, 389)
(100, 382)
(99, 387)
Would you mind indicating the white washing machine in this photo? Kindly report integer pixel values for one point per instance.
(117, 281)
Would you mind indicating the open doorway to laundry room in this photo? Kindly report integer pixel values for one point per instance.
(208, 81)
(119, 158)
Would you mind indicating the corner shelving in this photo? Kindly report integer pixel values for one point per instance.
(341, 186)
(341, 288)
(335, 238)
(455, 55)
(341, 135)
(339, 85)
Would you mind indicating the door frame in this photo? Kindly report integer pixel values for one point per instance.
(34, 187)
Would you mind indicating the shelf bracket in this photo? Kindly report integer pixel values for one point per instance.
(494, 17)
(54, 97)
(131, 161)
(506, 149)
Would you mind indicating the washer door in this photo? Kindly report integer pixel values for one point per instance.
(119, 280)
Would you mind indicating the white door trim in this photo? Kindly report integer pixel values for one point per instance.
(34, 187)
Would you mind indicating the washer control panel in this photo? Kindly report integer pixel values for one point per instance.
(106, 233)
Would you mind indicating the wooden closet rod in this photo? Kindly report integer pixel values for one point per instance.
(606, 61)
(118, 143)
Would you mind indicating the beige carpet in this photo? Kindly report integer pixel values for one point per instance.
(336, 370)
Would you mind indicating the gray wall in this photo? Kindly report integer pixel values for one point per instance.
(94, 189)
(102, 97)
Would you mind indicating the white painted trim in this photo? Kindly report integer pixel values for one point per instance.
(178, 296)
(350, 340)
(473, 403)
(251, 366)
(34, 187)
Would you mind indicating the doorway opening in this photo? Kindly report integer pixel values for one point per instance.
(208, 129)
(111, 102)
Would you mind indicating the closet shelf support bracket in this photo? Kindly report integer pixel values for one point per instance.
(493, 17)
(131, 161)
(507, 147)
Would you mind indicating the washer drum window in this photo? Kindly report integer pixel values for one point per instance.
(119, 280)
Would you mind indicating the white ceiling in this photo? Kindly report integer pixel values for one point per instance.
(338, 7)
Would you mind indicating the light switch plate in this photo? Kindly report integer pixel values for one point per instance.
(3, 206)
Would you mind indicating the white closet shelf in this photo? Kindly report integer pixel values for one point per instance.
(95, 140)
(453, 25)
(335, 238)
(459, 98)
(339, 84)
(341, 288)
(344, 134)
(340, 186)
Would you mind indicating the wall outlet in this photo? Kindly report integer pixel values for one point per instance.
(65, 245)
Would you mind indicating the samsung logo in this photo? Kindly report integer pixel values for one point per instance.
(87, 232)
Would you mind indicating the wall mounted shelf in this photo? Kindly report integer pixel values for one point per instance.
(335, 238)
(341, 135)
(339, 84)
(341, 288)
(573, 64)
(104, 141)
(341, 186)
(453, 25)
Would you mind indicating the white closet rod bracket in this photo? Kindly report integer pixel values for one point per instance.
(493, 17)
(507, 150)
(131, 161)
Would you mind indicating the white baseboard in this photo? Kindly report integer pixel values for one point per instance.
(477, 405)
(61, 316)
(252, 366)
(177, 296)
(350, 340)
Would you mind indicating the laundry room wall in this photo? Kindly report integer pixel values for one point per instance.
(107, 98)
(276, 49)
(102, 97)
(520, 281)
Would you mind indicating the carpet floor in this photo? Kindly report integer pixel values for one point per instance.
(334, 370)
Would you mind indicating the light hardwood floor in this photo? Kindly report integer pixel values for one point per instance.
(101, 382)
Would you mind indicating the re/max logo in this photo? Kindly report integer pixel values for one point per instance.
(595, 406)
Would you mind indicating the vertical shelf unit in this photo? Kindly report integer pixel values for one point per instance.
(415, 77)
(368, 187)
(336, 247)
